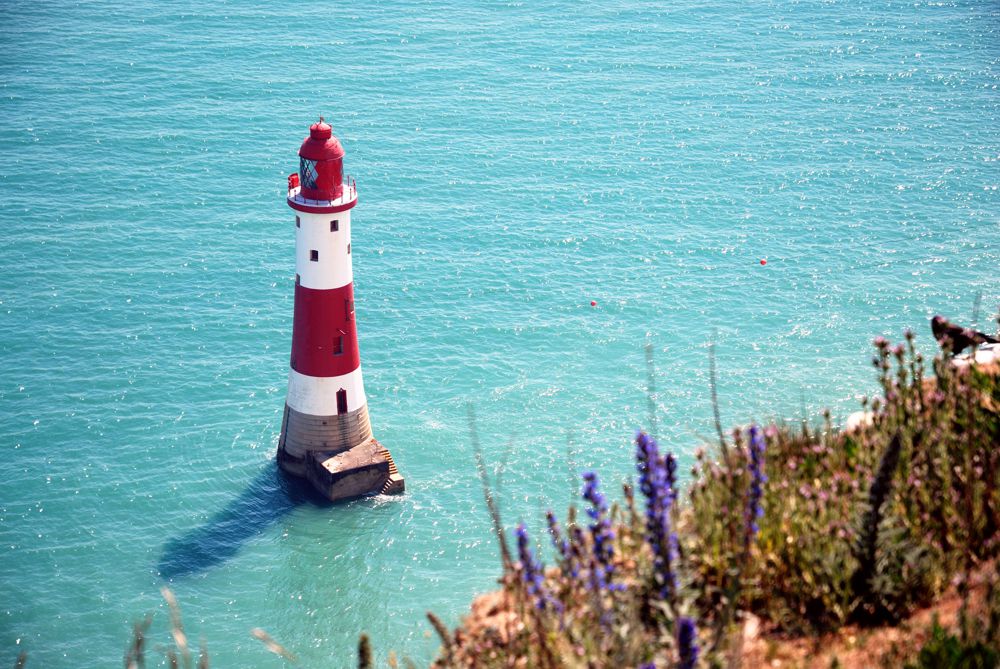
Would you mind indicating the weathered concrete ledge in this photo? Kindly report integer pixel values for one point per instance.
(339, 474)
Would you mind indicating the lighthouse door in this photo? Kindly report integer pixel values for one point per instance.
(341, 401)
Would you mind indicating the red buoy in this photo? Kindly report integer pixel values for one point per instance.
(763, 262)
(593, 303)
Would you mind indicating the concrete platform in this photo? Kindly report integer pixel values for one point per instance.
(365, 469)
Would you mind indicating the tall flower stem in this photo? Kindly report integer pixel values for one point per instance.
(656, 476)
(753, 511)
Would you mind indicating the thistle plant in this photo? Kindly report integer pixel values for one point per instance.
(867, 541)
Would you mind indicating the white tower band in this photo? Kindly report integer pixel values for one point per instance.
(326, 435)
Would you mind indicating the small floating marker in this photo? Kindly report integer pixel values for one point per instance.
(763, 262)
(593, 303)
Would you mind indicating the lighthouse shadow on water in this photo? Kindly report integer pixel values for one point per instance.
(268, 498)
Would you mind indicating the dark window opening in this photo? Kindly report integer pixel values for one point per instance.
(349, 306)
(338, 345)
(314, 255)
(341, 401)
(298, 222)
(298, 279)
(334, 225)
(348, 248)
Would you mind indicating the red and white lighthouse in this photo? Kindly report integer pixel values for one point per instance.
(326, 435)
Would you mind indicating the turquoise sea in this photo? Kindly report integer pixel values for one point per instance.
(514, 161)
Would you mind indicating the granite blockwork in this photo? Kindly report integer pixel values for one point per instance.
(302, 433)
(337, 454)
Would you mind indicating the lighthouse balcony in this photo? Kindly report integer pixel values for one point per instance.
(348, 198)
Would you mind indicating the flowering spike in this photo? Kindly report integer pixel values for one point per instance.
(687, 643)
(560, 544)
(670, 467)
(754, 510)
(531, 569)
(656, 475)
(600, 531)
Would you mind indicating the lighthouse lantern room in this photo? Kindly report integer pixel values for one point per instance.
(326, 434)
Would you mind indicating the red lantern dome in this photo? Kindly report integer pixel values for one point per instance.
(321, 164)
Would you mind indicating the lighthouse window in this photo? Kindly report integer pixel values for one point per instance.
(307, 172)
(338, 345)
(348, 248)
(314, 255)
(334, 225)
(298, 223)
(349, 305)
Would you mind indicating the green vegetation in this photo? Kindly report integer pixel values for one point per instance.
(948, 651)
(807, 529)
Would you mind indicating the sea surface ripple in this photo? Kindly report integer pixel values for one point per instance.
(514, 162)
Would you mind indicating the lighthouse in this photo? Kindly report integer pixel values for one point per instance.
(326, 433)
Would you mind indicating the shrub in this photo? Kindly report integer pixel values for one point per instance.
(946, 651)
(807, 527)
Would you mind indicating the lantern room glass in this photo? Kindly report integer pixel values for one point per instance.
(307, 173)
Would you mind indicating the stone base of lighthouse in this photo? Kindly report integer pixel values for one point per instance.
(337, 454)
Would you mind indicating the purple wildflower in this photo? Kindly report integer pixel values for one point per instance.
(560, 543)
(687, 643)
(757, 480)
(670, 468)
(568, 557)
(600, 531)
(655, 483)
(531, 569)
